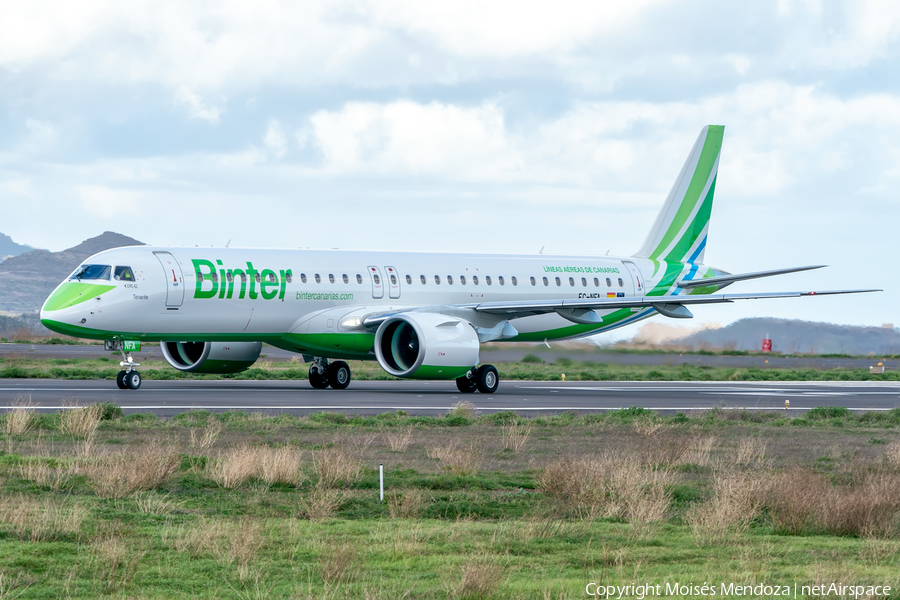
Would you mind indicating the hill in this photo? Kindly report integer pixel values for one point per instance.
(27, 279)
(9, 248)
(787, 335)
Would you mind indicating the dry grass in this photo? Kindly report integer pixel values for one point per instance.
(152, 503)
(204, 441)
(236, 466)
(515, 435)
(321, 503)
(610, 485)
(466, 409)
(457, 458)
(734, 505)
(794, 499)
(406, 505)
(399, 441)
(119, 475)
(700, 451)
(20, 419)
(661, 444)
(243, 542)
(115, 564)
(892, 455)
(199, 538)
(337, 563)
(46, 476)
(80, 422)
(334, 466)
(41, 520)
(477, 580)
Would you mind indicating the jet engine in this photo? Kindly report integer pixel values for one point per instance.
(426, 346)
(211, 357)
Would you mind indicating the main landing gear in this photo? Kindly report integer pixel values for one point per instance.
(322, 374)
(484, 379)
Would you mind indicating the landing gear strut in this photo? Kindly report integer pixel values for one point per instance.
(484, 379)
(322, 374)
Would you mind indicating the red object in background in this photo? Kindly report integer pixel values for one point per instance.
(767, 345)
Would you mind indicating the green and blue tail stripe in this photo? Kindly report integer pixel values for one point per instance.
(680, 231)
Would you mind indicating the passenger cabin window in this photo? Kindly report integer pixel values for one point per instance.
(596, 282)
(474, 279)
(462, 280)
(229, 277)
(92, 272)
(259, 279)
(123, 274)
(358, 278)
(375, 278)
(514, 281)
(608, 282)
(409, 279)
(533, 282)
(621, 283)
(330, 278)
(302, 277)
(500, 280)
(318, 279)
(572, 281)
(393, 279)
(449, 280)
(558, 281)
(345, 278)
(545, 281)
(288, 277)
(487, 279)
(271, 278)
(437, 280)
(422, 279)
(584, 282)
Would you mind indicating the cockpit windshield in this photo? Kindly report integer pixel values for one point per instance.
(91, 272)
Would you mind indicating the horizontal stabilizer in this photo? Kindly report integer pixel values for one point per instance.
(723, 280)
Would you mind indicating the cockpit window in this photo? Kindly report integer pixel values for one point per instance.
(91, 272)
(123, 274)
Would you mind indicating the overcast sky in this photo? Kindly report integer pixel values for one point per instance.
(463, 126)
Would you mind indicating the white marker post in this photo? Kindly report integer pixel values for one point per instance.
(381, 482)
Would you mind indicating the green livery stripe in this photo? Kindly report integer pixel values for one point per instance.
(74, 292)
(673, 269)
(684, 245)
(430, 372)
(326, 344)
(708, 156)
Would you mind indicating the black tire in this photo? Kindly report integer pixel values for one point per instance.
(133, 380)
(486, 379)
(120, 380)
(339, 375)
(466, 385)
(316, 379)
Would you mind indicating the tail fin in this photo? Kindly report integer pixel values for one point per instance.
(680, 230)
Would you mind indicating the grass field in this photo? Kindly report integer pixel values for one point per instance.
(240, 505)
(23, 366)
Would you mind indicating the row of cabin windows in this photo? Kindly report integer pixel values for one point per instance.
(422, 279)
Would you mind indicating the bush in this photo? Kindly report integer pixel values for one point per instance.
(531, 358)
(110, 411)
(828, 412)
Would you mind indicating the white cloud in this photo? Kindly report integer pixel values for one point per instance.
(106, 202)
(198, 109)
(19, 187)
(274, 140)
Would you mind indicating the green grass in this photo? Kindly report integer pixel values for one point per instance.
(20, 367)
(255, 541)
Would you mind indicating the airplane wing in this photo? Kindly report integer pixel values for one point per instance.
(671, 306)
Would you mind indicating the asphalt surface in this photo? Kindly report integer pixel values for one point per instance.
(513, 354)
(167, 398)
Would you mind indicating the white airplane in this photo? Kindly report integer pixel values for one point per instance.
(420, 315)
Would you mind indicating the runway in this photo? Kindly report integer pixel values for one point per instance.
(167, 398)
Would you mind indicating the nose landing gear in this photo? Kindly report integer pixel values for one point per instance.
(129, 378)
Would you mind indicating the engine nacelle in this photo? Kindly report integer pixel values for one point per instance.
(426, 346)
(211, 357)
